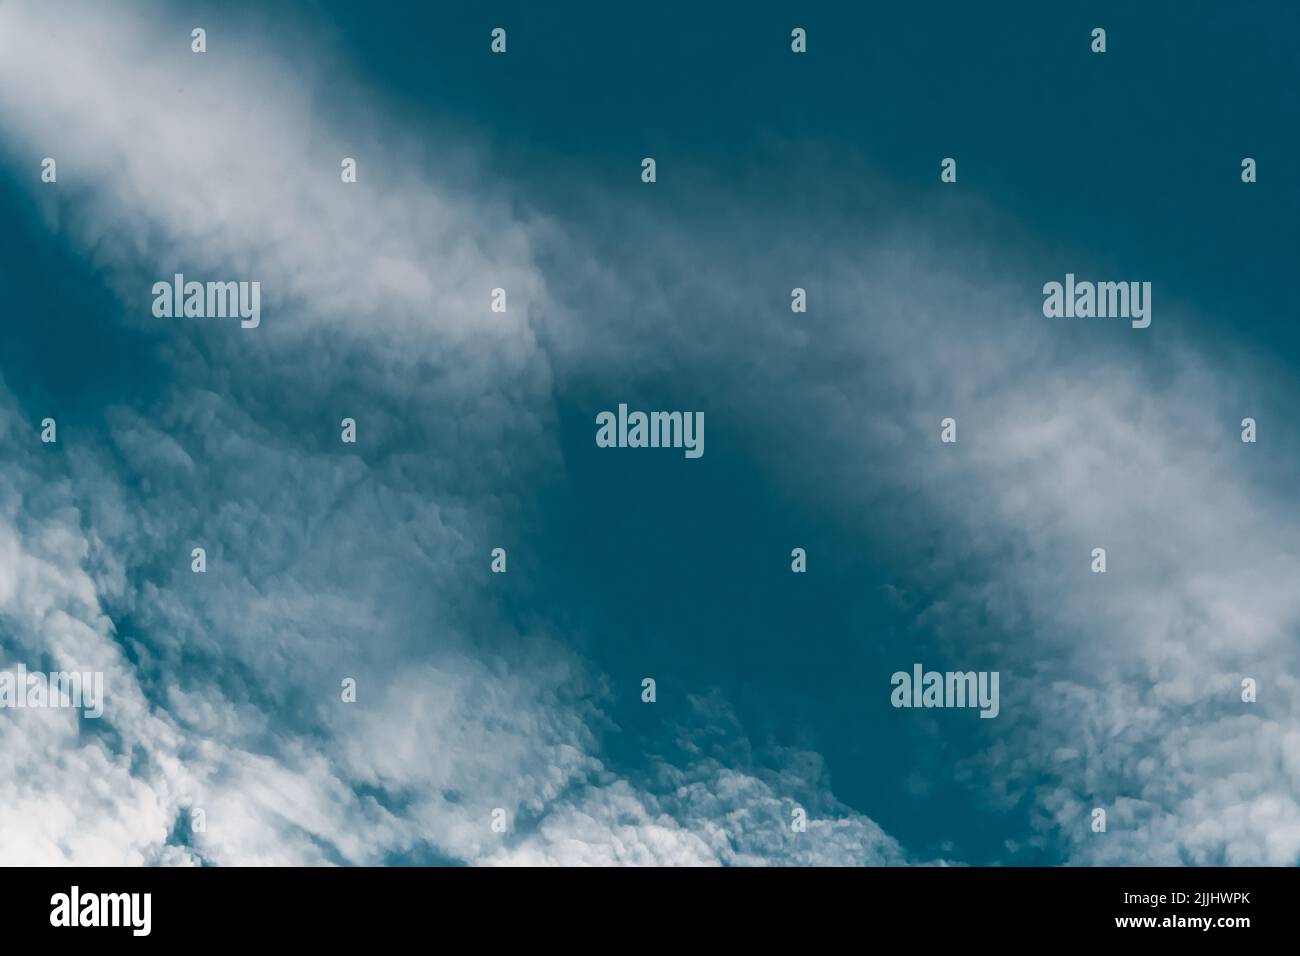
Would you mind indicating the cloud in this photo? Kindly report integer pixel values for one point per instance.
(323, 562)
(1119, 690)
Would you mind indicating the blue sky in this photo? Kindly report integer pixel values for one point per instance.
(523, 691)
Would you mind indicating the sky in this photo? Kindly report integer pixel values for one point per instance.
(522, 692)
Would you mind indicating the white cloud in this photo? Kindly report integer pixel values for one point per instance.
(1119, 690)
(224, 688)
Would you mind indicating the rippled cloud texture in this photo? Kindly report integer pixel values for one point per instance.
(523, 691)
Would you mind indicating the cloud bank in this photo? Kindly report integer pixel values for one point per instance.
(1119, 690)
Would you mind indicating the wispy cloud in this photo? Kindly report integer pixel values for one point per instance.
(323, 563)
(1119, 690)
